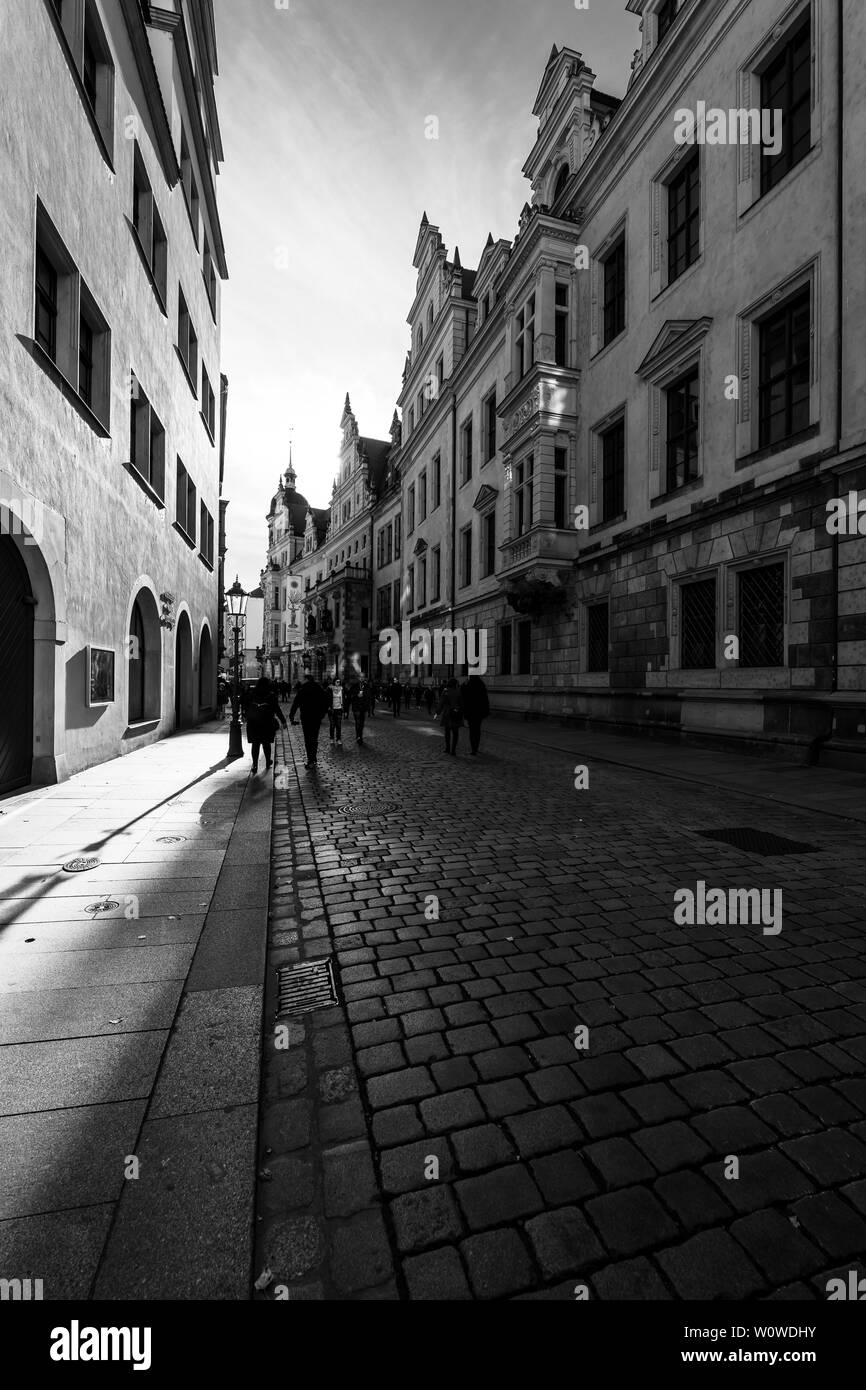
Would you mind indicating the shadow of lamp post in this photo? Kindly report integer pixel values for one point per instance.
(236, 599)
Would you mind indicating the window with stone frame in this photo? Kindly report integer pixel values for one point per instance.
(785, 370)
(69, 328)
(612, 447)
(560, 487)
(524, 495)
(150, 235)
(761, 615)
(597, 637)
(488, 544)
(524, 341)
(682, 410)
(786, 86)
(698, 624)
(613, 292)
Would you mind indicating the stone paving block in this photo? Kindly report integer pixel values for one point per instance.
(505, 1098)
(405, 1169)
(785, 1116)
(542, 1131)
(498, 1264)
(830, 1158)
(732, 1129)
(832, 1223)
(502, 1195)
(397, 1125)
(603, 1115)
(451, 1110)
(711, 1265)
(633, 1280)
(606, 1073)
(563, 1242)
(630, 1220)
(437, 1276)
(360, 1256)
(60, 1248)
(765, 1178)
(502, 1062)
(778, 1248)
(484, 1146)
(349, 1182)
(391, 1089)
(654, 1102)
(425, 1218)
(672, 1145)
(693, 1201)
(563, 1177)
(342, 1121)
(374, 1061)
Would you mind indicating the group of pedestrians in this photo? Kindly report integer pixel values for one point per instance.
(455, 705)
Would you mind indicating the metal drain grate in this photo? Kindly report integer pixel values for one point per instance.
(758, 841)
(366, 808)
(170, 839)
(302, 988)
(79, 866)
(107, 905)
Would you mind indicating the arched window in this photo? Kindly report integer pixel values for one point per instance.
(561, 181)
(137, 665)
(430, 316)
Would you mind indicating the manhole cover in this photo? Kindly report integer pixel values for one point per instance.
(78, 866)
(107, 905)
(758, 841)
(370, 808)
(170, 839)
(302, 988)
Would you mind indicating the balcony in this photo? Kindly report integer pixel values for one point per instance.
(541, 553)
(545, 398)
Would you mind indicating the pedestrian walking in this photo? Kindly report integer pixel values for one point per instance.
(395, 697)
(262, 713)
(476, 707)
(336, 709)
(429, 699)
(451, 714)
(312, 703)
(418, 693)
(359, 704)
(222, 697)
(407, 695)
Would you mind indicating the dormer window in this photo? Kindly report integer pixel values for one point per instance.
(561, 180)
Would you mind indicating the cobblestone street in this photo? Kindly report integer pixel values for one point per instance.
(479, 911)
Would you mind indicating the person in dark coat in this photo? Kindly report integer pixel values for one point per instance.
(395, 697)
(476, 707)
(359, 703)
(451, 713)
(407, 695)
(312, 703)
(429, 698)
(262, 713)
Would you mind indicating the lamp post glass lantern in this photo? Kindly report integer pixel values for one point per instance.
(236, 599)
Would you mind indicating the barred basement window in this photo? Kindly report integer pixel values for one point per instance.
(698, 626)
(785, 344)
(762, 616)
(684, 217)
(597, 643)
(786, 86)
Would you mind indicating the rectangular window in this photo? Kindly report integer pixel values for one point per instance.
(390, 548)
(209, 276)
(410, 511)
(524, 648)
(683, 421)
(411, 607)
(185, 502)
(762, 616)
(422, 497)
(488, 541)
(190, 187)
(148, 226)
(466, 556)
(684, 217)
(206, 535)
(466, 452)
(440, 371)
(525, 337)
(208, 403)
(561, 335)
(505, 649)
(786, 86)
(560, 488)
(85, 361)
(422, 581)
(698, 626)
(785, 370)
(490, 426)
(597, 653)
(435, 573)
(613, 270)
(613, 471)
(524, 495)
(398, 538)
(437, 481)
(45, 330)
(187, 341)
(396, 604)
(147, 441)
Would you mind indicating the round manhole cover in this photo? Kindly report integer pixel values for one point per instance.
(107, 905)
(366, 808)
(78, 866)
(170, 839)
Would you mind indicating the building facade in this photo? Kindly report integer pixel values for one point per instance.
(622, 436)
(111, 265)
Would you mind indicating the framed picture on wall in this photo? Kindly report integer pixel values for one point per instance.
(100, 676)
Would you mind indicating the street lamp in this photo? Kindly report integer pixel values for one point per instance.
(237, 606)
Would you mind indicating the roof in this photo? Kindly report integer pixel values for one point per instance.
(376, 452)
(298, 507)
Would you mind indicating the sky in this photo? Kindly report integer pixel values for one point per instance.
(325, 110)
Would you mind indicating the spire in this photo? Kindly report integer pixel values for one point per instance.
(457, 262)
(554, 53)
(424, 222)
(291, 476)
(489, 241)
(348, 406)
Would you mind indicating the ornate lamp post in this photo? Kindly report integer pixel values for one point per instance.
(237, 605)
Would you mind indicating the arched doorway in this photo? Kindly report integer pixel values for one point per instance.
(16, 669)
(206, 673)
(184, 712)
(144, 663)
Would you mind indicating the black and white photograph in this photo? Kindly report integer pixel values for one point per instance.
(432, 673)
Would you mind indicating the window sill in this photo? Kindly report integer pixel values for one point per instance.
(160, 298)
(762, 200)
(681, 278)
(206, 423)
(606, 347)
(193, 228)
(208, 564)
(186, 372)
(675, 493)
(211, 302)
(67, 390)
(606, 525)
(771, 450)
(145, 726)
(184, 535)
(144, 485)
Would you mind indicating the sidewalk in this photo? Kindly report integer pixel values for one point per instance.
(825, 790)
(130, 1033)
